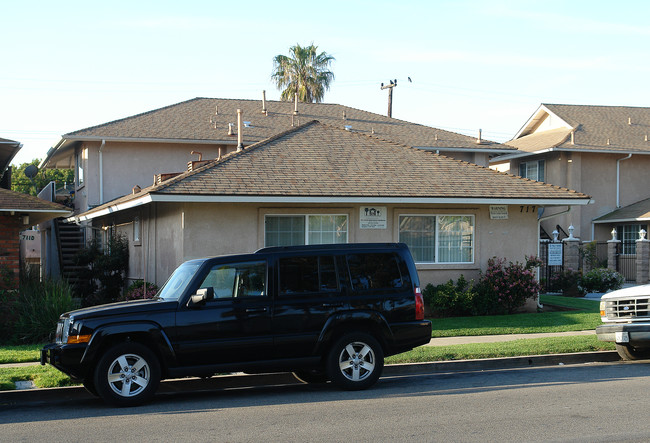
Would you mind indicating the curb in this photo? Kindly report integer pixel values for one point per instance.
(49, 396)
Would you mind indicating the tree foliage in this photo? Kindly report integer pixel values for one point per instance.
(21, 183)
(304, 71)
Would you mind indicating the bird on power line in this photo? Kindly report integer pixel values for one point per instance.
(410, 81)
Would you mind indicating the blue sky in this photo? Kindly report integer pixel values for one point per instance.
(474, 64)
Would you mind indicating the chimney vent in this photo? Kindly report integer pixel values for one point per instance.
(573, 137)
(216, 110)
(479, 140)
(230, 130)
(264, 102)
(240, 132)
(295, 103)
(343, 115)
(608, 142)
(629, 121)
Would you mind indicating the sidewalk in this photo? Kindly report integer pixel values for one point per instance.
(449, 341)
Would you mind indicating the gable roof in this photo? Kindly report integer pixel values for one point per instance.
(194, 121)
(639, 211)
(318, 163)
(38, 209)
(606, 129)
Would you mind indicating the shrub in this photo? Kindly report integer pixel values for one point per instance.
(103, 274)
(511, 285)
(568, 282)
(602, 280)
(39, 306)
(588, 253)
(140, 289)
(451, 299)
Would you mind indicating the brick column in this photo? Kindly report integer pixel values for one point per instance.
(571, 253)
(612, 246)
(642, 261)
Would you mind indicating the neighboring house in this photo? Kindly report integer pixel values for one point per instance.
(112, 158)
(17, 213)
(8, 150)
(317, 183)
(602, 151)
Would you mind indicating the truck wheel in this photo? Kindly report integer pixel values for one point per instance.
(355, 361)
(628, 352)
(311, 376)
(127, 375)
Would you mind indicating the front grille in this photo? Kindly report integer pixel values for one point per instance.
(629, 308)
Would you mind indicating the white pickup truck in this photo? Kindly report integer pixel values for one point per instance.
(626, 321)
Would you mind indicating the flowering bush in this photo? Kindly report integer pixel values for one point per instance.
(141, 290)
(568, 282)
(511, 284)
(602, 280)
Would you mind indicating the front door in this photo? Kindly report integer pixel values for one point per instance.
(235, 326)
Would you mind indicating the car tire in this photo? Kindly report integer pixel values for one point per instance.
(311, 376)
(127, 375)
(355, 361)
(628, 352)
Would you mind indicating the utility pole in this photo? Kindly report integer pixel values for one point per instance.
(390, 95)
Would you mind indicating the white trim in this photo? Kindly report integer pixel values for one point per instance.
(112, 208)
(339, 200)
(39, 211)
(506, 157)
(180, 198)
(535, 115)
(622, 220)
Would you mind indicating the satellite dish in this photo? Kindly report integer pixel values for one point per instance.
(31, 171)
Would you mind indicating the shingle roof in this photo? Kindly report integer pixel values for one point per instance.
(597, 128)
(317, 160)
(636, 211)
(195, 119)
(11, 201)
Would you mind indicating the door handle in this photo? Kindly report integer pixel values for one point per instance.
(254, 310)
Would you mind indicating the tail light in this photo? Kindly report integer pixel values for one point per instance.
(419, 304)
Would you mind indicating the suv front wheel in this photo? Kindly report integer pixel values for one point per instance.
(355, 361)
(127, 374)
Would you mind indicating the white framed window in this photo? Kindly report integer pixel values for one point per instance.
(79, 167)
(533, 170)
(136, 230)
(312, 229)
(629, 234)
(438, 238)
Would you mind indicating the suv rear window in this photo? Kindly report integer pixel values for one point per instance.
(374, 271)
(308, 274)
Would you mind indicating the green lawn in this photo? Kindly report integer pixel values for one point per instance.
(42, 376)
(20, 354)
(585, 317)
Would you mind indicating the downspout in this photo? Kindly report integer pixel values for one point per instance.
(539, 222)
(618, 179)
(101, 173)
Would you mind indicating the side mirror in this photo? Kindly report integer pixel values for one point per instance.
(201, 296)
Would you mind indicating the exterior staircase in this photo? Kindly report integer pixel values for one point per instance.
(71, 240)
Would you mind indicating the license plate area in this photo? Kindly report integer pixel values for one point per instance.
(622, 337)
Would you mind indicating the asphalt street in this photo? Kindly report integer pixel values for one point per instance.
(583, 402)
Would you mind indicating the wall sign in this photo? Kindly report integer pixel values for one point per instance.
(373, 217)
(554, 254)
(499, 212)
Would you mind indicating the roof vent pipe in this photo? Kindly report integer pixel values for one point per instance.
(295, 103)
(216, 110)
(240, 135)
(344, 117)
(264, 102)
(573, 137)
(479, 140)
(629, 121)
(197, 153)
(230, 131)
(646, 137)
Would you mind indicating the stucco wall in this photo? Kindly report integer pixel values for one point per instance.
(184, 231)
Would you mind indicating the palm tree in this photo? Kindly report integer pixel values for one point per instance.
(303, 71)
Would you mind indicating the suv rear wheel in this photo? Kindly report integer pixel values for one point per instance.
(355, 361)
(127, 374)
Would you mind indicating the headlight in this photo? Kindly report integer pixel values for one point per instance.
(71, 332)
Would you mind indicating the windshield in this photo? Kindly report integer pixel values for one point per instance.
(177, 283)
